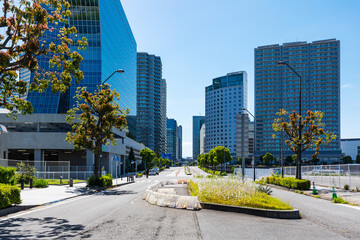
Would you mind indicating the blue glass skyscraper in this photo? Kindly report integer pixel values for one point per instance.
(111, 46)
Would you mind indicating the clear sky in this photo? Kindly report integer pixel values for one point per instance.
(199, 40)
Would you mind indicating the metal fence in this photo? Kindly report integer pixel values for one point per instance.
(328, 175)
(44, 169)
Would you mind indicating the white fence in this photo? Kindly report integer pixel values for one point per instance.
(328, 175)
(259, 172)
(44, 169)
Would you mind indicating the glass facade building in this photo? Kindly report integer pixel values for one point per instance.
(151, 103)
(198, 121)
(224, 100)
(111, 46)
(277, 87)
(172, 138)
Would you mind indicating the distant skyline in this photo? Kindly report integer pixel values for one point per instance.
(201, 40)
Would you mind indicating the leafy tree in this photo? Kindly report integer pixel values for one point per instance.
(22, 25)
(268, 158)
(261, 158)
(358, 158)
(347, 159)
(315, 160)
(147, 157)
(132, 159)
(220, 155)
(312, 132)
(26, 171)
(98, 115)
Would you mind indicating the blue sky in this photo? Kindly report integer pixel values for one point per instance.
(199, 40)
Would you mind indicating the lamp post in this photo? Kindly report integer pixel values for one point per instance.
(254, 161)
(298, 164)
(116, 71)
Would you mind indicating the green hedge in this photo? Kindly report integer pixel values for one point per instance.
(7, 175)
(40, 183)
(289, 182)
(218, 173)
(9, 195)
(103, 181)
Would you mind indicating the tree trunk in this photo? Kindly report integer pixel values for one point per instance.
(97, 160)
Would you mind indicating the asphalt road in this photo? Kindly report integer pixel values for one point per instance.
(122, 214)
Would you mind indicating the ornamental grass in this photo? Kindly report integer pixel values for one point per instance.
(234, 191)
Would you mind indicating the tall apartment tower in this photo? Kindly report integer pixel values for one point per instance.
(172, 138)
(198, 122)
(224, 100)
(179, 142)
(277, 87)
(151, 103)
(106, 52)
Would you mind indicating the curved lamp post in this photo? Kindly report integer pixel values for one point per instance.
(298, 175)
(116, 71)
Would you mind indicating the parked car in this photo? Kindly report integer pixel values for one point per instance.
(152, 172)
(156, 169)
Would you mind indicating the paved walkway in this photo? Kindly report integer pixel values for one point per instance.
(53, 193)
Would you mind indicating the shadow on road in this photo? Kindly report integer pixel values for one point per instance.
(36, 228)
(117, 192)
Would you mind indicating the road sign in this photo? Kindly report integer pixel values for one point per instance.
(116, 158)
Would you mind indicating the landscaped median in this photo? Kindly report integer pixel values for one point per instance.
(289, 182)
(233, 194)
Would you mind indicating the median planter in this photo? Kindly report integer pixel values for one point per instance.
(155, 195)
(281, 214)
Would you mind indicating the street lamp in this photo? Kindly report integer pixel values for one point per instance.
(254, 163)
(298, 175)
(116, 71)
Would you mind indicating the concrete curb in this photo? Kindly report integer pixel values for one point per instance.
(163, 199)
(16, 209)
(282, 214)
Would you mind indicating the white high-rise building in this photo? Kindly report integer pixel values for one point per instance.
(224, 100)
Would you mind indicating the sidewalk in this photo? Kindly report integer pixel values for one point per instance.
(326, 193)
(52, 194)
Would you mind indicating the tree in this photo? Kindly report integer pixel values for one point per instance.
(315, 160)
(358, 158)
(268, 158)
(132, 159)
(311, 129)
(347, 160)
(220, 155)
(147, 157)
(98, 115)
(22, 26)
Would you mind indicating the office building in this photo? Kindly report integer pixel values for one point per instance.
(179, 142)
(151, 103)
(111, 46)
(224, 100)
(172, 138)
(351, 147)
(277, 87)
(202, 139)
(198, 122)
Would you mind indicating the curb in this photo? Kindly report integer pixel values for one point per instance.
(16, 209)
(281, 214)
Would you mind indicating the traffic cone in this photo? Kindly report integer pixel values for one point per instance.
(314, 189)
(334, 194)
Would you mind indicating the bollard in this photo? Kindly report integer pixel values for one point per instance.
(314, 189)
(71, 182)
(61, 180)
(31, 183)
(334, 193)
(22, 184)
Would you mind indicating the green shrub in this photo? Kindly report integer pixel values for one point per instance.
(7, 175)
(346, 187)
(103, 181)
(9, 195)
(40, 183)
(25, 171)
(162, 168)
(289, 182)
(340, 200)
